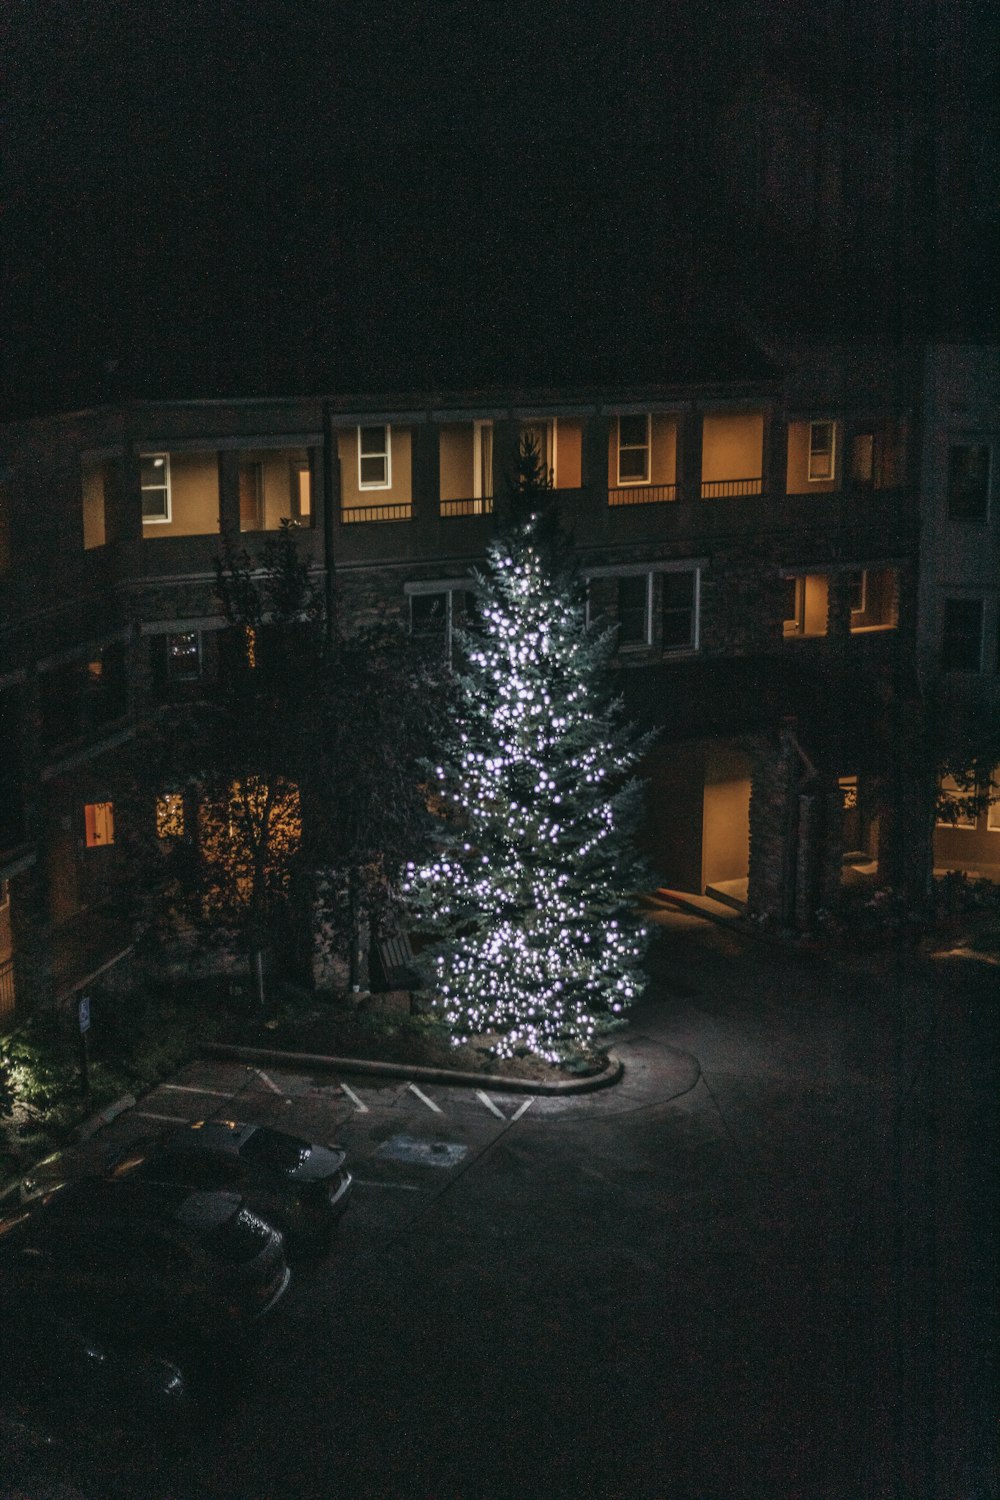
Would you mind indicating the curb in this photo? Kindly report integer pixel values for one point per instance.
(90, 1127)
(611, 1074)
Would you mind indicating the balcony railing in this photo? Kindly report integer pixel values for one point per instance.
(642, 494)
(6, 988)
(483, 507)
(713, 489)
(399, 512)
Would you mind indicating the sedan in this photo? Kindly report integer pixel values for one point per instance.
(163, 1257)
(300, 1188)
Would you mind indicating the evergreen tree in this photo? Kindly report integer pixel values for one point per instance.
(530, 896)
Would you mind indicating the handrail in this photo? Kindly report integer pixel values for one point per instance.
(478, 507)
(400, 512)
(642, 494)
(712, 489)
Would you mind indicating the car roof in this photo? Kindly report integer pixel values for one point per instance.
(136, 1201)
(211, 1135)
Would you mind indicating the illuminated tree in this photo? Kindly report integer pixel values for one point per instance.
(530, 898)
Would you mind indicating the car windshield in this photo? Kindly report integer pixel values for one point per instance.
(239, 1239)
(271, 1148)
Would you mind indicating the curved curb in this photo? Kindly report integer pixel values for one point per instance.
(611, 1074)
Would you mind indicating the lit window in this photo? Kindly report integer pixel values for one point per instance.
(633, 450)
(170, 816)
(968, 481)
(679, 613)
(99, 820)
(302, 492)
(155, 483)
(374, 458)
(251, 482)
(993, 811)
(821, 450)
(806, 606)
(183, 656)
(962, 635)
(92, 482)
(950, 788)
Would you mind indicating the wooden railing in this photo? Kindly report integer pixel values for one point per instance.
(642, 494)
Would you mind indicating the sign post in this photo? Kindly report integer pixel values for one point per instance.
(83, 1013)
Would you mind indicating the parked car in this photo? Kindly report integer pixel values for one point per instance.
(300, 1188)
(161, 1256)
(70, 1369)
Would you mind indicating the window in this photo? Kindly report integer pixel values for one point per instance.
(436, 610)
(680, 611)
(482, 459)
(99, 821)
(872, 595)
(302, 493)
(374, 458)
(962, 635)
(170, 815)
(92, 485)
(154, 469)
(633, 610)
(183, 656)
(993, 811)
(806, 605)
(822, 445)
(950, 788)
(251, 480)
(541, 434)
(633, 450)
(968, 481)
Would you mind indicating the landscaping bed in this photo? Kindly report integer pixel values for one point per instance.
(380, 1029)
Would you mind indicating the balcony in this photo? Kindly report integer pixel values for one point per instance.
(642, 494)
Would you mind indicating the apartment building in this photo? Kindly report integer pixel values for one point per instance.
(754, 539)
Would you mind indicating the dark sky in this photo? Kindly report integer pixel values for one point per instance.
(208, 197)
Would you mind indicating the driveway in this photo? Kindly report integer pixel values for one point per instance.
(769, 1277)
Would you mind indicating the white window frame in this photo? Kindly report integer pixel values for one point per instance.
(823, 478)
(386, 454)
(148, 489)
(482, 471)
(695, 642)
(646, 447)
(447, 587)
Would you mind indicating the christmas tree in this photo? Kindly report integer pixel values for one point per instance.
(530, 898)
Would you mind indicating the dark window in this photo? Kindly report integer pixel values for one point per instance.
(632, 610)
(962, 636)
(429, 616)
(633, 449)
(968, 481)
(679, 610)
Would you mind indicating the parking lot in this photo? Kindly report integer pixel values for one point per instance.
(764, 1279)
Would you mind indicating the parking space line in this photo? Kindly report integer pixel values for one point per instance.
(406, 1187)
(145, 1114)
(264, 1079)
(362, 1109)
(424, 1099)
(186, 1088)
(519, 1112)
(490, 1105)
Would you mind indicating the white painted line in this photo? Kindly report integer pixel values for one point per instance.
(406, 1187)
(424, 1099)
(264, 1079)
(519, 1112)
(185, 1088)
(490, 1105)
(144, 1114)
(362, 1109)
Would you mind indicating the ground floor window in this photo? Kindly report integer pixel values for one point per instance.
(99, 823)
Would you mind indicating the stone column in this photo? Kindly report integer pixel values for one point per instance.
(689, 457)
(426, 483)
(229, 492)
(596, 442)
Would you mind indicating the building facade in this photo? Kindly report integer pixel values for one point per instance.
(755, 541)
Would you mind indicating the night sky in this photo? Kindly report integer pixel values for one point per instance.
(207, 198)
